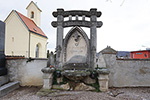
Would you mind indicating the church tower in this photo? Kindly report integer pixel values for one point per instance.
(34, 13)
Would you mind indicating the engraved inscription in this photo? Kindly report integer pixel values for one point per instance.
(76, 46)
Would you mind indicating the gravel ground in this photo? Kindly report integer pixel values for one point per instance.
(29, 93)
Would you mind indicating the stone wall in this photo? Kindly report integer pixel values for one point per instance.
(26, 71)
(127, 72)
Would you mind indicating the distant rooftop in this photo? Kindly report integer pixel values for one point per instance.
(108, 50)
(124, 54)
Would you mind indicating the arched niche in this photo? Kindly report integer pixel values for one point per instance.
(38, 50)
(76, 47)
(32, 14)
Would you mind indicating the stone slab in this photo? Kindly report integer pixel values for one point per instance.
(5, 89)
(76, 50)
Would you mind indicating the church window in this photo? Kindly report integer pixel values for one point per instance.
(12, 39)
(37, 51)
(32, 14)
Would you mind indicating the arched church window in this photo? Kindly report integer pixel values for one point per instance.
(32, 14)
(37, 51)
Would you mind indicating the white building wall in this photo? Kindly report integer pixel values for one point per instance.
(42, 41)
(16, 36)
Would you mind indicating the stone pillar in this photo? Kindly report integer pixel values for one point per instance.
(93, 36)
(47, 77)
(59, 43)
(103, 82)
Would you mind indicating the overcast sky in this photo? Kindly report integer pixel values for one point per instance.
(125, 27)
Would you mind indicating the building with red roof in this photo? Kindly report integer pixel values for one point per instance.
(23, 36)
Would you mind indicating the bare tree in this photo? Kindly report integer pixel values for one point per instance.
(121, 3)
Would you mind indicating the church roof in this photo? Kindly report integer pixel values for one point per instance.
(108, 50)
(31, 26)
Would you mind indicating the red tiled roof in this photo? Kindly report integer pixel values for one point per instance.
(31, 25)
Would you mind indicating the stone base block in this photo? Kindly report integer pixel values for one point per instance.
(103, 82)
(59, 80)
(88, 80)
(48, 80)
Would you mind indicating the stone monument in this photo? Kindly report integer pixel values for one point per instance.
(3, 70)
(76, 45)
(76, 53)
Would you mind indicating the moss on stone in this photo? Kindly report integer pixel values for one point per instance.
(57, 87)
(66, 80)
(45, 92)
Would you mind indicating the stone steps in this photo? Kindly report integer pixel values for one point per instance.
(5, 89)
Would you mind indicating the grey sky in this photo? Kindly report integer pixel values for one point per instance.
(125, 27)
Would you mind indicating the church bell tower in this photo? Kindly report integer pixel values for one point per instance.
(34, 13)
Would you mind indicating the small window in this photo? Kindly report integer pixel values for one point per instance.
(34, 29)
(12, 53)
(138, 53)
(12, 39)
(32, 14)
(145, 55)
(37, 51)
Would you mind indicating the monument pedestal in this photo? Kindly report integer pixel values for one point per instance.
(47, 77)
(103, 82)
(103, 79)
